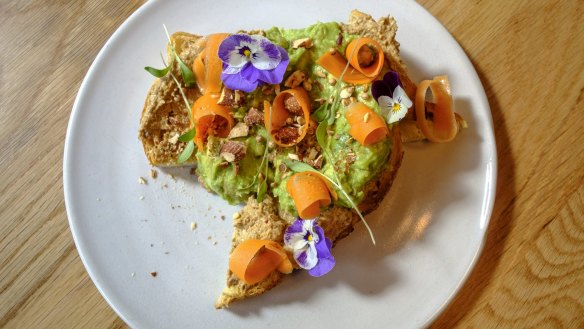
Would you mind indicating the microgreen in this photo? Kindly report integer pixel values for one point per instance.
(159, 73)
(262, 187)
(187, 74)
(187, 152)
(298, 166)
(188, 136)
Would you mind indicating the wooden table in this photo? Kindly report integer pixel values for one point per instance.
(529, 56)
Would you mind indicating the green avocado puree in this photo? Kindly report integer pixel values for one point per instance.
(368, 160)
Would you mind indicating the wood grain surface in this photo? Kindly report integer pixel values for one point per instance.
(529, 56)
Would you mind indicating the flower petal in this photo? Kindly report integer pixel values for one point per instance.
(326, 261)
(276, 75)
(385, 104)
(391, 80)
(379, 88)
(308, 258)
(295, 228)
(229, 48)
(267, 55)
(399, 94)
(238, 82)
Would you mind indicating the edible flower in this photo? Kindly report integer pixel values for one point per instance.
(250, 61)
(311, 249)
(391, 97)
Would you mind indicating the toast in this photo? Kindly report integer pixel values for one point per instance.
(165, 118)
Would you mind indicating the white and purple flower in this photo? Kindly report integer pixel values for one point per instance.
(311, 249)
(392, 98)
(250, 61)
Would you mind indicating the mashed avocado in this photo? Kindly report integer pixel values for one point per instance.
(354, 165)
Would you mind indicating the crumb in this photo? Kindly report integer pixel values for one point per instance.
(171, 176)
(142, 180)
(236, 215)
(167, 252)
(153, 274)
(141, 197)
(151, 245)
(153, 173)
(208, 208)
(209, 237)
(164, 186)
(196, 243)
(98, 199)
(222, 217)
(133, 274)
(193, 226)
(215, 243)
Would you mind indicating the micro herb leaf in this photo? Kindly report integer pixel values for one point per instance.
(298, 166)
(321, 113)
(185, 71)
(188, 136)
(262, 189)
(321, 134)
(187, 152)
(159, 73)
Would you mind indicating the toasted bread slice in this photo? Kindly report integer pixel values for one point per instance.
(264, 221)
(165, 116)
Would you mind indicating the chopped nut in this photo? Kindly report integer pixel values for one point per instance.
(312, 153)
(277, 89)
(307, 84)
(282, 167)
(364, 96)
(153, 173)
(193, 226)
(339, 40)
(320, 74)
(330, 132)
(287, 134)
(231, 98)
(141, 197)
(153, 274)
(366, 56)
(293, 156)
(259, 138)
(347, 92)
(351, 158)
(365, 88)
(332, 51)
(267, 89)
(300, 120)
(233, 151)
(291, 104)
(332, 81)
(254, 117)
(302, 43)
(346, 102)
(240, 130)
(366, 117)
(295, 79)
(318, 162)
(142, 180)
(236, 215)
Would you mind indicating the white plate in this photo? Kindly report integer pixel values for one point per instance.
(430, 227)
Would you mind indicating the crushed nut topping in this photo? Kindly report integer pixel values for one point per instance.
(302, 43)
(347, 92)
(295, 79)
(339, 40)
(293, 156)
(366, 56)
(231, 98)
(286, 134)
(254, 117)
(291, 104)
(240, 130)
(233, 151)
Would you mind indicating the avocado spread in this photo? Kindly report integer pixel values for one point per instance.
(352, 164)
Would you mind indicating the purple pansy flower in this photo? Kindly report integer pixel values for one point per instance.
(250, 61)
(311, 249)
(392, 98)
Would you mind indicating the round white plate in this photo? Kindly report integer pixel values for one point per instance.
(430, 227)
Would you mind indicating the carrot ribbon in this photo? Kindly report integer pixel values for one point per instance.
(279, 114)
(367, 127)
(253, 260)
(335, 63)
(443, 127)
(309, 192)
